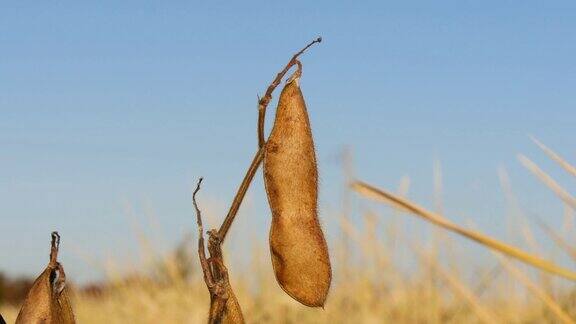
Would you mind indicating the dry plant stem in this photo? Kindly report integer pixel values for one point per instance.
(438, 220)
(201, 247)
(240, 194)
(224, 307)
(262, 104)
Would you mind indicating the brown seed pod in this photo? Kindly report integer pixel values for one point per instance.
(298, 248)
(227, 312)
(47, 301)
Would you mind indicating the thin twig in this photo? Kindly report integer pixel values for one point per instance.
(223, 304)
(263, 102)
(240, 194)
(261, 120)
(201, 247)
(198, 214)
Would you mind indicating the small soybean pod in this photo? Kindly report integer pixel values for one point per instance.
(224, 307)
(47, 301)
(298, 248)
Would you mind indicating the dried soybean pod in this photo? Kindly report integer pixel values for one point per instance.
(47, 301)
(224, 307)
(297, 245)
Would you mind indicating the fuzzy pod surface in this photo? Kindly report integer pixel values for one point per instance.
(297, 245)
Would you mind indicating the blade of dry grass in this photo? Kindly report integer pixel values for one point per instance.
(346, 206)
(568, 221)
(519, 220)
(533, 287)
(401, 203)
(555, 157)
(571, 251)
(548, 181)
(484, 283)
(457, 287)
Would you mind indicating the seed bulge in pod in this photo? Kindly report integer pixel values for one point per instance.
(297, 245)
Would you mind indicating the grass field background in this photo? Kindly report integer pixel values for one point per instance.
(385, 271)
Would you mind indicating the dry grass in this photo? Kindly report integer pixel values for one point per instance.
(381, 275)
(374, 290)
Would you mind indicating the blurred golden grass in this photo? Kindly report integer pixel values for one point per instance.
(381, 275)
(371, 293)
(404, 204)
(374, 290)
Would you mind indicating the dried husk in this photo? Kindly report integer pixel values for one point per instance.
(47, 301)
(298, 248)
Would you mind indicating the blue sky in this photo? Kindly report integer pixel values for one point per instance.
(109, 111)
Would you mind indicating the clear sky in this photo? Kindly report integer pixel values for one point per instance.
(110, 110)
